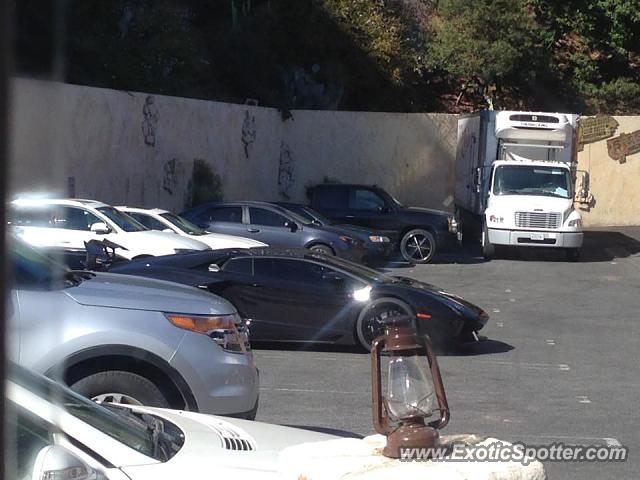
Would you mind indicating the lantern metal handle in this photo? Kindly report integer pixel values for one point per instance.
(380, 421)
(443, 405)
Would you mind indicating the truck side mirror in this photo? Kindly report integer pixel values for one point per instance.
(582, 185)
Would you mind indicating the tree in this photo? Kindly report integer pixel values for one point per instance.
(485, 41)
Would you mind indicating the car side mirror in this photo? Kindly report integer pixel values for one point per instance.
(383, 209)
(168, 230)
(293, 226)
(214, 268)
(54, 461)
(100, 228)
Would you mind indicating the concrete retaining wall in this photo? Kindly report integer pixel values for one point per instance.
(614, 182)
(137, 149)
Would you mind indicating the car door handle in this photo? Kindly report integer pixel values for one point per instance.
(349, 216)
(253, 230)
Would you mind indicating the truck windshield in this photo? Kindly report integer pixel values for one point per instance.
(532, 180)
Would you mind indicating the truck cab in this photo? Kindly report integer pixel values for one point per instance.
(516, 174)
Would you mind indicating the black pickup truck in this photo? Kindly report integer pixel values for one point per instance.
(419, 232)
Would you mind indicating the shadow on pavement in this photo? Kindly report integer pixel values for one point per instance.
(485, 346)
(305, 347)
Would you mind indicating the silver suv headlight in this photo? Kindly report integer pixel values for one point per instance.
(228, 331)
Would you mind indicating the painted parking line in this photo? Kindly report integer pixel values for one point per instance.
(567, 439)
(528, 365)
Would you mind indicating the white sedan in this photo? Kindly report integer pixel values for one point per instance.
(158, 219)
(69, 223)
(53, 433)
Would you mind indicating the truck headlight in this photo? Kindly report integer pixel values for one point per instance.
(496, 219)
(576, 222)
(379, 239)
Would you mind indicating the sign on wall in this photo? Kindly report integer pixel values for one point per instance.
(594, 129)
(623, 145)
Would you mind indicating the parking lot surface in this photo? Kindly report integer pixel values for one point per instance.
(559, 364)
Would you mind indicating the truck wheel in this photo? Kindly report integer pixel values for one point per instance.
(488, 248)
(572, 254)
(418, 246)
(120, 387)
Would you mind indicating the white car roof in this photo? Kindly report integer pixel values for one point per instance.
(74, 202)
(157, 211)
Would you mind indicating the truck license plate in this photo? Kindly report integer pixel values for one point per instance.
(537, 236)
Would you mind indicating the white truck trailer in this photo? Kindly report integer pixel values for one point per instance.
(516, 176)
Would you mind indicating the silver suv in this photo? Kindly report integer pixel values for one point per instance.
(130, 339)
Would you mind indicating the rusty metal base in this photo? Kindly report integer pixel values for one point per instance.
(410, 436)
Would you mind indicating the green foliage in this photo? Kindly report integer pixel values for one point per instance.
(398, 55)
(484, 40)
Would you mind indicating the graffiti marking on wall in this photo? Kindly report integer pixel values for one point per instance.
(248, 132)
(285, 170)
(170, 179)
(149, 121)
(623, 145)
(594, 129)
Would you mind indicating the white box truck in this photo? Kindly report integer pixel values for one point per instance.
(515, 179)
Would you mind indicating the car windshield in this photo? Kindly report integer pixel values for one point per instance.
(365, 273)
(30, 267)
(183, 224)
(309, 214)
(122, 220)
(128, 431)
(532, 180)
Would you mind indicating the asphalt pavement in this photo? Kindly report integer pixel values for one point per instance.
(559, 364)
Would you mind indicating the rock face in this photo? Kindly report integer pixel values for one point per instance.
(362, 459)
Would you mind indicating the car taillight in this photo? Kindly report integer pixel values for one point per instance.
(228, 331)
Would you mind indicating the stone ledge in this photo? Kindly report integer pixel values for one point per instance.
(349, 458)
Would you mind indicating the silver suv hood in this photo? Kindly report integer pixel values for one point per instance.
(138, 293)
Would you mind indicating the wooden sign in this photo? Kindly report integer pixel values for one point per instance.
(594, 129)
(623, 145)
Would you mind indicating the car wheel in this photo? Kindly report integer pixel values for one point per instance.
(488, 248)
(120, 387)
(376, 316)
(418, 246)
(325, 249)
(572, 254)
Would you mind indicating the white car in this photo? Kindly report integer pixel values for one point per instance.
(68, 223)
(53, 433)
(163, 220)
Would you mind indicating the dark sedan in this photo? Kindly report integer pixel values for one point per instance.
(294, 295)
(419, 232)
(379, 247)
(275, 226)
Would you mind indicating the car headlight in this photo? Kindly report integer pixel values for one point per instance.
(453, 224)
(228, 331)
(576, 222)
(379, 239)
(496, 219)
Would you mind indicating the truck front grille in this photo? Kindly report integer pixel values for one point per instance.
(538, 220)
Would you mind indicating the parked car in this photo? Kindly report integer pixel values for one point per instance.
(68, 223)
(165, 221)
(379, 247)
(276, 226)
(420, 232)
(294, 295)
(130, 339)
(53, 433)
